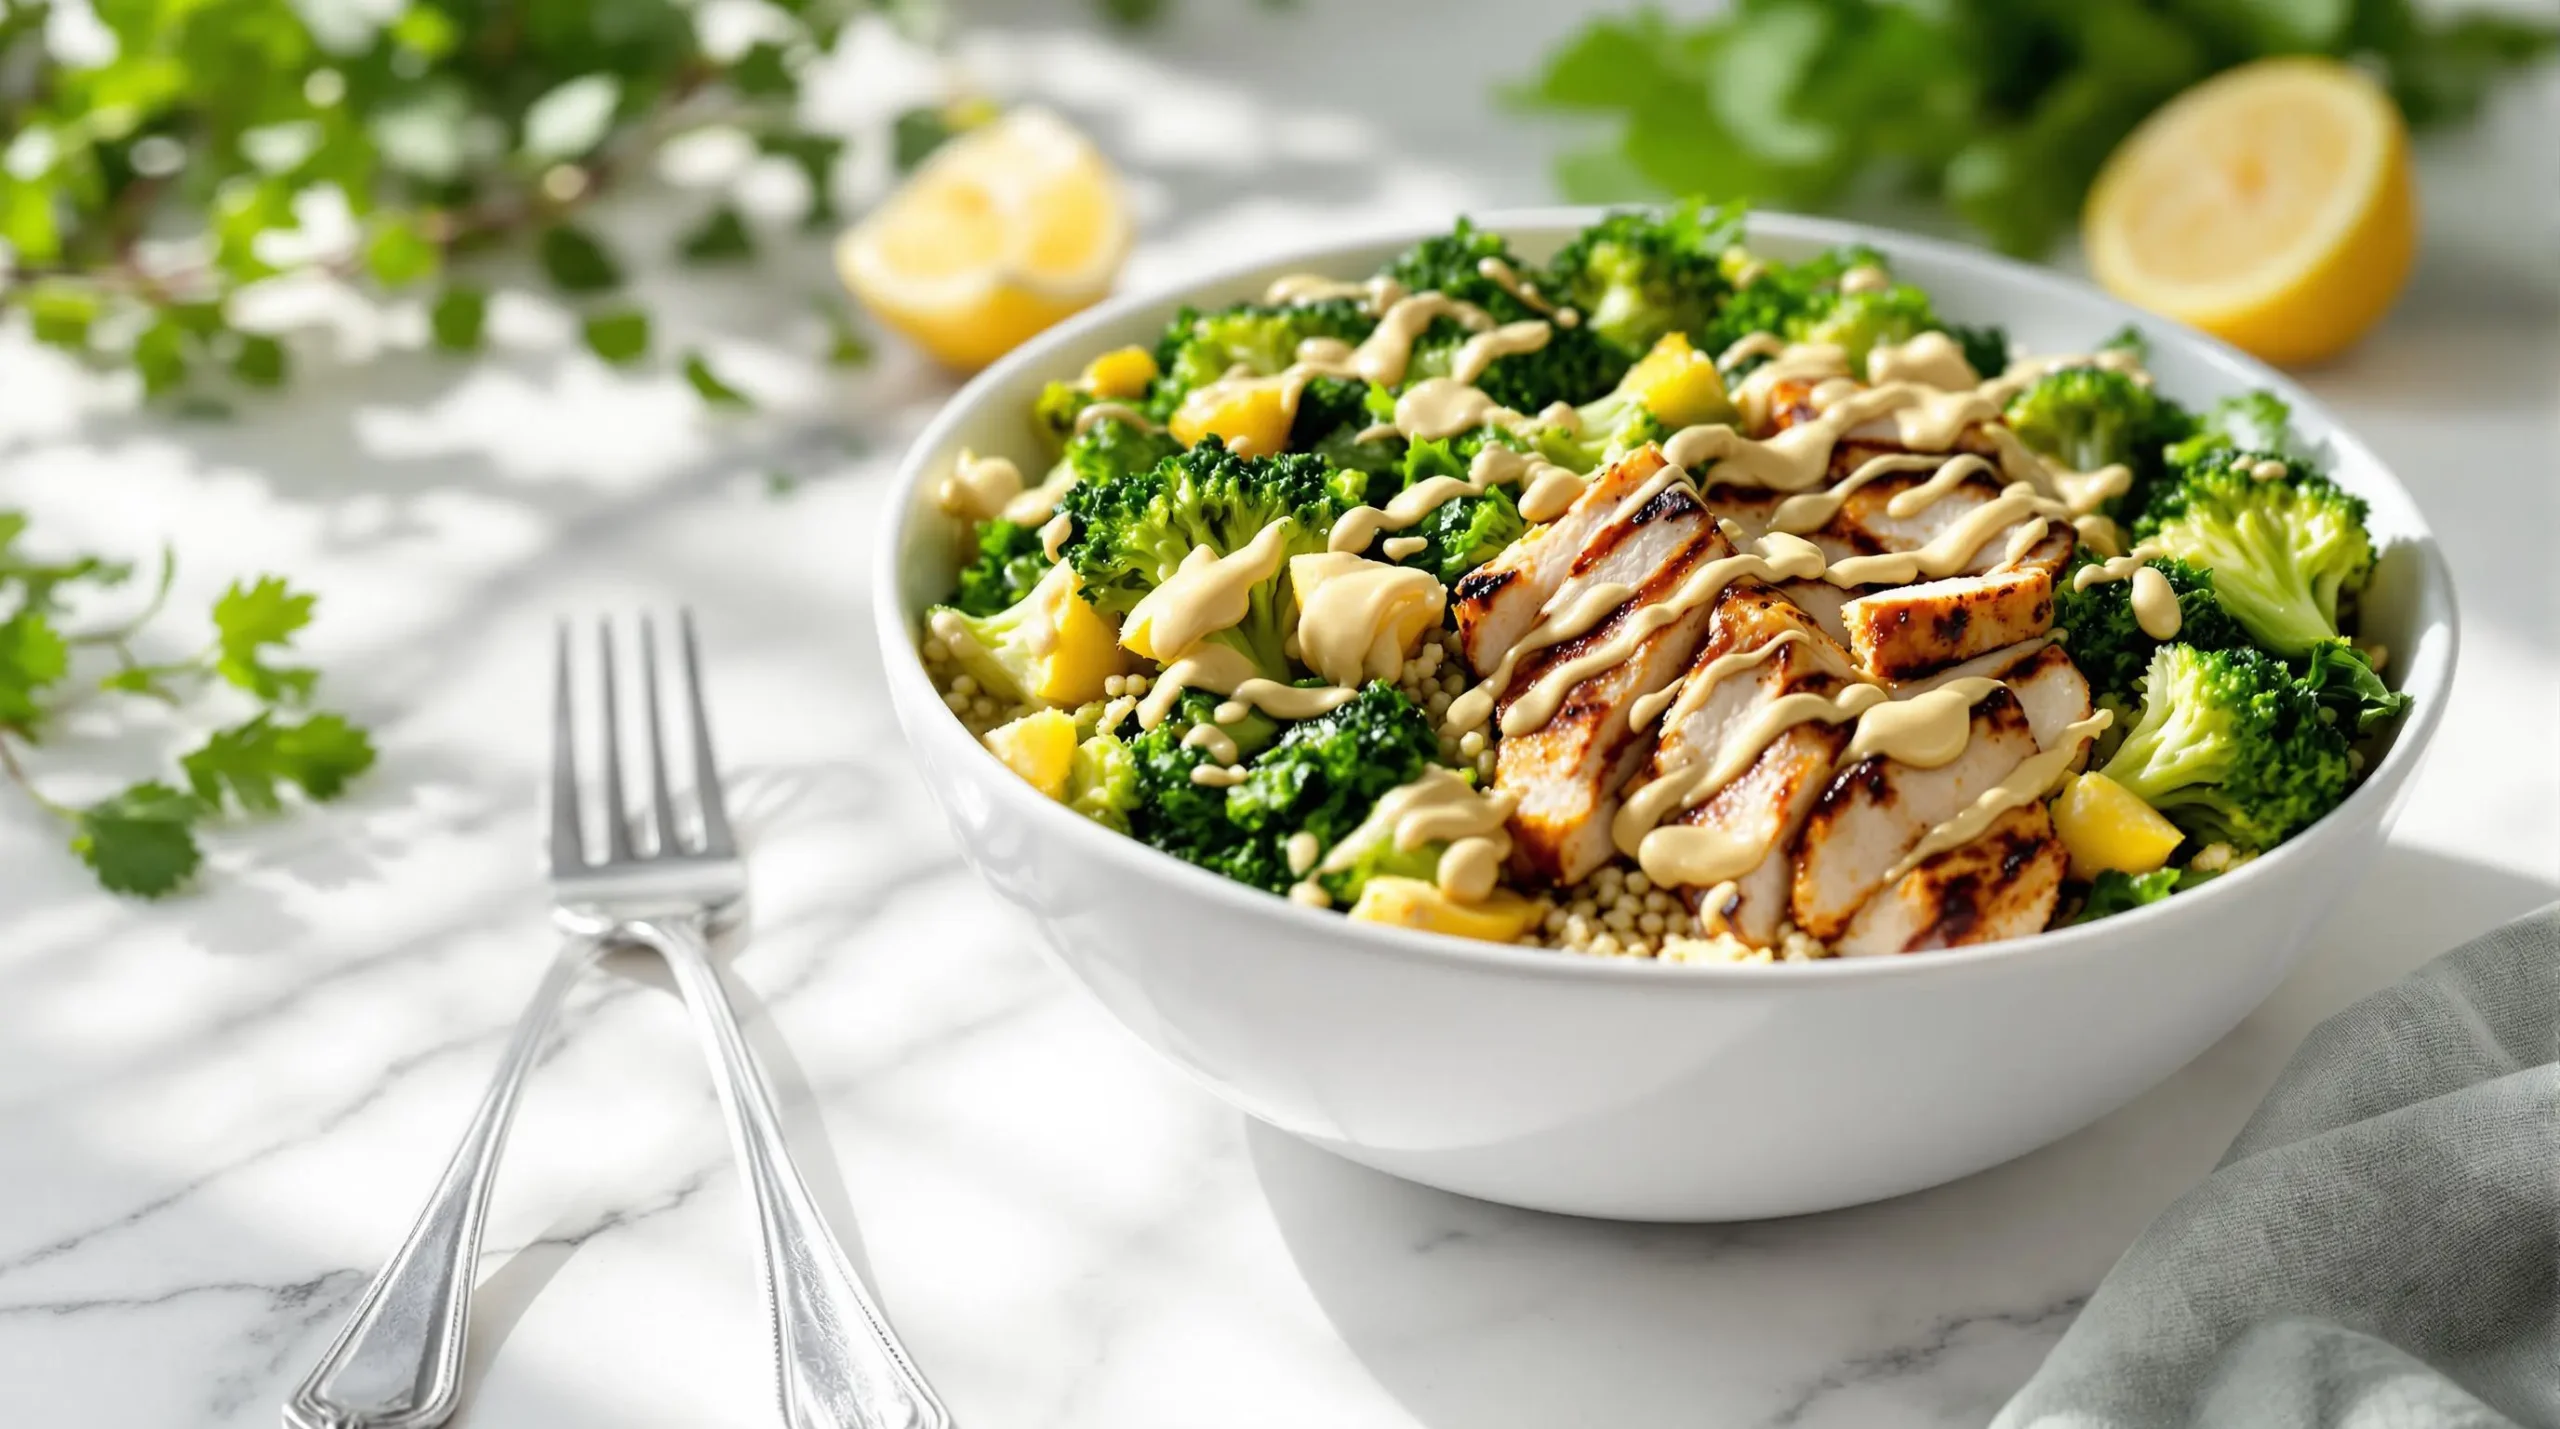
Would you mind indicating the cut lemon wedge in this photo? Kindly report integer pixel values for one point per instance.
(1004, 231)
(2270, 206)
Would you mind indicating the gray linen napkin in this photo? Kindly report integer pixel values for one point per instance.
(2381, 1246)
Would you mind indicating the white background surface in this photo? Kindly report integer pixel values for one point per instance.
(217, 1115)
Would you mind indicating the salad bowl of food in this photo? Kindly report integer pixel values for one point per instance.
(1662, 715)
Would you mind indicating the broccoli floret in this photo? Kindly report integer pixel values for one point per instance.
(1008, 564)
(2089, 417)
(2127, 339)
(1132, 531)
(2109, 645)
(1004, 647)
(2114, 892)
(2281, 551)
(1576, 363)
(1802, 302)
(1321, 777)
(2346, 683)
(1111, 448)
(1467, 531)
(2232, 748)
(1638, 274)
(1055, 410)
(1325, 773)
(1332, 413)
(1199, 347)
(2250, 422)
(1102, 780)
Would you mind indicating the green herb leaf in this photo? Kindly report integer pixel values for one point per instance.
(62, 313)
(846, 346)
(714, 392)
(620, 338)
(33, 655)
(260, 361)
(571, 120)
(576, 262)
(721, 235)
(142, 840)
(246, 762)
(458, 317)
(398, 254)
(250, 621)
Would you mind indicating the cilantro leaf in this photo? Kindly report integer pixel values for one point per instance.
(709, 386)
(141, 840)
(246, 762)
(248, 622)
(32, 656)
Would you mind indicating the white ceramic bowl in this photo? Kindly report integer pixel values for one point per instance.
(1641, 1090)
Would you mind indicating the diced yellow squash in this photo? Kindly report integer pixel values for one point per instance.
(1040, 747)
(1253, 416)
(1085, 653)
(1502, 917)
(1120, 374)
(1678, 384)
(2105, 826)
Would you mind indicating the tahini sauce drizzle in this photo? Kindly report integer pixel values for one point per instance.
(2155, 605)
(978, 487)
(1439, 807)
(1358, 619)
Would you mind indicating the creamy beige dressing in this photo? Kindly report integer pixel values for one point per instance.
(2100, 534)
(1097, 413)
(2155, 605)
(978, 486)
(1358, 619)
(1302, 850)
(2114, 568)
(1952, 549)
(2267, 470)
(1925, 729)
(1396, 548)
(1218, 776)
(1685, 696)
(1440, 806)
(1552, 494)
(1226, 671)
(1983, 664)
(1310, 895)
(2034, 778)
(1508, 278)
(1327, 352)
(1438, 407)
(1492, 345)
(1865, 278)
(1810, 511)
(1932, 359)
(1206, 594)
(1383, 355)
(1493, 465)
(1220, 745)
(1054, 533)
(1751, 345)
(1036, 506)
(2085, 491)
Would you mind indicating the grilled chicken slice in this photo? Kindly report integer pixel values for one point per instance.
(2003, 884)
(1767, 804)
(1903, 632)
(1877, 809)
(1496, 603)
(1863, 515)
(2050, 689)
(1567, 774)
(1824, 602)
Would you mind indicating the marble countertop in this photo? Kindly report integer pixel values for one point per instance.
(217, 1115)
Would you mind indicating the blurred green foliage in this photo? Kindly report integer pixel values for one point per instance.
(2003, 109)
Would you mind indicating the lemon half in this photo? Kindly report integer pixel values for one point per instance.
(1005, 230)
(2270, 206)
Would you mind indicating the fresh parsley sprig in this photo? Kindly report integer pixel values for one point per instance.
(143, 838)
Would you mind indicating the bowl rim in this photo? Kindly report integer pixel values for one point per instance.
(2429, 681)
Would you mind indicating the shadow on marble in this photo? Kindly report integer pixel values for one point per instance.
(1928, 1309)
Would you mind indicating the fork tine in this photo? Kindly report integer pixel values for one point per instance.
(661, 804)
(617, 824)
(568, 844)
(716, 839)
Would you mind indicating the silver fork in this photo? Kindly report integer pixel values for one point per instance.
(838, 1365)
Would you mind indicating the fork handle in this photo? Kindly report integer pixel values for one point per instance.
(838, 1363)
(398, 1362)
